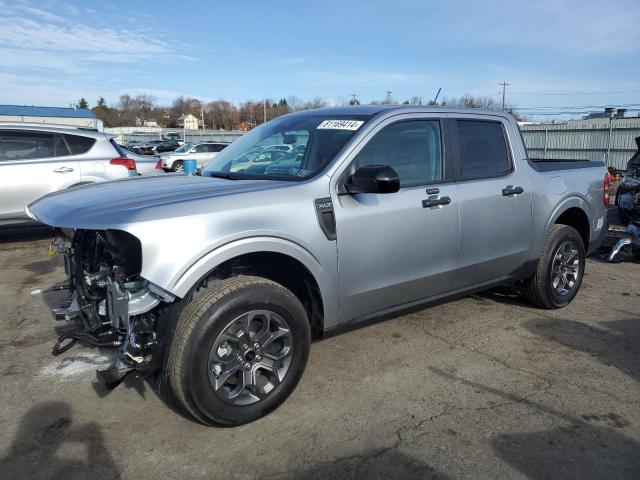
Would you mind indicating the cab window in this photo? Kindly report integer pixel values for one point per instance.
(412, 148)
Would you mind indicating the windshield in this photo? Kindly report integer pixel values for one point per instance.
(289, 148)
(183, 148)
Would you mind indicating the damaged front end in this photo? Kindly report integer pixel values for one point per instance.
(109, 304)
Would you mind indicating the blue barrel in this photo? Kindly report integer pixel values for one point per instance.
(190, 166)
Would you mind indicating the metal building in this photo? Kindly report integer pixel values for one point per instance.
(76, 117)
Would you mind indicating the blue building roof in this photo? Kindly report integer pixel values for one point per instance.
(33, 111)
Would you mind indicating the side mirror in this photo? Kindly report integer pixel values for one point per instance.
(373, 179)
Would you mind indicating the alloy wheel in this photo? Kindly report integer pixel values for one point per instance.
(250, 357)
(565, 268)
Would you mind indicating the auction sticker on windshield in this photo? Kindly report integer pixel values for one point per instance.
(340, 124)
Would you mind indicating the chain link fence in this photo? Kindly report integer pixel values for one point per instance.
(126, 135)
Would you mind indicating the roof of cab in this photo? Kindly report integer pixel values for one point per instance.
(375, 110)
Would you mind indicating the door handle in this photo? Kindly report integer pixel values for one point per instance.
(63, 170)
(435, 202)
(511, 190)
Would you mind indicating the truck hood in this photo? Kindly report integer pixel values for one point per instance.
(121, 202)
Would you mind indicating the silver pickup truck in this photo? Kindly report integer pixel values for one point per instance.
(372, 211)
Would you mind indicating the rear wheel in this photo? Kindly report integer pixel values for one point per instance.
(560, 269)
(177, 166)
(239, 350)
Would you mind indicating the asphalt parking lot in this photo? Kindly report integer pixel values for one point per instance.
(483, 387)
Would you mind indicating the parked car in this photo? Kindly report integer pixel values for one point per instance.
(132, 145)
(389, 208)
(201, 152)
(168, 146)
(146, 148)
(178, 137)
(145, 164)
(37, 159)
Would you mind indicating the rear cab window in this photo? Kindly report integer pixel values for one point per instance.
(483, 149)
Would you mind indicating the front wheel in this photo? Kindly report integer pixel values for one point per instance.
(560, 269)
(239, 350)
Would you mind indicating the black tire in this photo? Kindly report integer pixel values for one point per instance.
(539, 289)
(200, 324)
(177, 166)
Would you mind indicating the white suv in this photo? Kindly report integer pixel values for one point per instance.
(200, 152)
(39, 159)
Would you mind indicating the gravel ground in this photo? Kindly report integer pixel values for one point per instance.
(483, 387)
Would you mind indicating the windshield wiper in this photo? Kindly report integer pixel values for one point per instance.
(226, 175)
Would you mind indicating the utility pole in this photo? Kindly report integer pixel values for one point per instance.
(354, 99)
(202, 112)
(504, 87)
(388, 96)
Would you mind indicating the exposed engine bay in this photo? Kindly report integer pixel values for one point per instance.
(109, 305)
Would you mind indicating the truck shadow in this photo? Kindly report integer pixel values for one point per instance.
(578, 451)
(368, 465)
(616, 343)
(142, 386)
(49, 444)
(573, 449)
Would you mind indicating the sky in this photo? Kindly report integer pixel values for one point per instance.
(555, 55)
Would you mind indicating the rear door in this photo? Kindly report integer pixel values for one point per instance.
(401, 247)
(32, 164)
(495, 201)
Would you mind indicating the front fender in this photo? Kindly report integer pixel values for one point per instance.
(181, 283)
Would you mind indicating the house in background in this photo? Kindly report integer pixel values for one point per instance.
(189, 122)
(74, 117)
(245, 126)
(149, 122)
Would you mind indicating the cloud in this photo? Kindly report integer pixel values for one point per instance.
(558, 27)
(54, 52)
(28, 29)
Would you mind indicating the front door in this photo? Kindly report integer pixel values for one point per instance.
(395, 248)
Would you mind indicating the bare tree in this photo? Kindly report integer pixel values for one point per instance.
(294, 103)
(134, 110)
(222, 114)
(317, 102)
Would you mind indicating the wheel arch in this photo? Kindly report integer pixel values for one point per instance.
(574, 212)
(577, 218)
(276, 259)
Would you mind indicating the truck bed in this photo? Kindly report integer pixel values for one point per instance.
(551, 164)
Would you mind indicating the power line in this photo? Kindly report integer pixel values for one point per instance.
(537, 114)
(574, 93)
(581, 107)
(597, 73)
